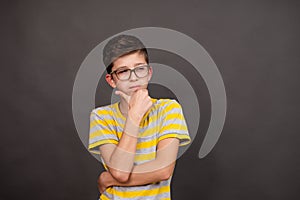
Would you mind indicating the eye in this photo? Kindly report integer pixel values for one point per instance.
(141, 68)
(122, 71)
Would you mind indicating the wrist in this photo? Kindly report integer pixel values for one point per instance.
(135, 117)
(131, 126)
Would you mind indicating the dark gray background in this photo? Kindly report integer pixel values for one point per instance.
(255, 45)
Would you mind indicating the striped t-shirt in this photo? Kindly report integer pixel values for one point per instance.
(163, 120)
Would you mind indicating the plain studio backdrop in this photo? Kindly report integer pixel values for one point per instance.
(255, 45)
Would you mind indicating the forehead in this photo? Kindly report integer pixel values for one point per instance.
(129, 60)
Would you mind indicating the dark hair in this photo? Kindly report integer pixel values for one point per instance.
(122, 45)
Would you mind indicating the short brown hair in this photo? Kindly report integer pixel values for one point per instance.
(122, 45)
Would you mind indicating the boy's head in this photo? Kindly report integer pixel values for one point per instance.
(127, 64)
(122, 45)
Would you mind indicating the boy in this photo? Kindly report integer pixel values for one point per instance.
(137, 137)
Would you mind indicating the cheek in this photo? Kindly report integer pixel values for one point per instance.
(146, 79)
(121, 85)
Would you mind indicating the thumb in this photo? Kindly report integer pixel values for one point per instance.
(123, 95)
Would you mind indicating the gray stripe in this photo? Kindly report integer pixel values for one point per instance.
(174, 121)
(101, 128)
(119, 121)
(109, 109)
(150, 125)
(146, 187)
(103, 137)
(142, 161)
(109, 196)
(174, 110)
(156, 197)
(103, 116)
(179, 132)
(142, 187)
(167, 102)
(147, 138)
(146, 150)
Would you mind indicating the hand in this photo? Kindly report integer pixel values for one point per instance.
(103, 181)
(138, 103)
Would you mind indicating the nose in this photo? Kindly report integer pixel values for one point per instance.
(133, 77)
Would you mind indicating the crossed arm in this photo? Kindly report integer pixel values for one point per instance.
(161, 168)
(120, 158)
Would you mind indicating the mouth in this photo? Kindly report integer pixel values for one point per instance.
(135, 87)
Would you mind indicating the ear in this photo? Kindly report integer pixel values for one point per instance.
(150, 73)
(109, 79)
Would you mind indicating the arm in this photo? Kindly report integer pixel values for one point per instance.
(120, 158)
(150, 172)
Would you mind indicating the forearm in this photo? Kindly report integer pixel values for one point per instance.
(149, 172)
(122, 158)
(143, 174)
(137, 179)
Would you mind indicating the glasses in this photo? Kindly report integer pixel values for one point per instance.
(124, 74)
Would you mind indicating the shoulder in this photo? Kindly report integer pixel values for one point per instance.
(107, 110)
(165, 105)
(168, 102)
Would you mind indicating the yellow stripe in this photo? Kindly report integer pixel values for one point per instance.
(163, 103)
(101, 122)
(93, 145)
(152, 118)
(104, 112)
(119, 134)
(171, 106)
(140, 193)
(103, 197)
(147, 144)
(170, 135)
(102, 132)
(144, 157)
(149, 132)
(173, 116)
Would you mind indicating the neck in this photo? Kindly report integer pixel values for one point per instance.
(123, 106)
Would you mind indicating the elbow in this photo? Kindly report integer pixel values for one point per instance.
(166, 174)
(120, 176)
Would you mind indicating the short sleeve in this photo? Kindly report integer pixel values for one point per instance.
(173, 124)
(101, 132)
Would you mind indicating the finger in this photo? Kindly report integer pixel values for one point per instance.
(123, 95)
(142, 92)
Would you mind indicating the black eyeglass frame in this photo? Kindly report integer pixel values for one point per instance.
(131, 70)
